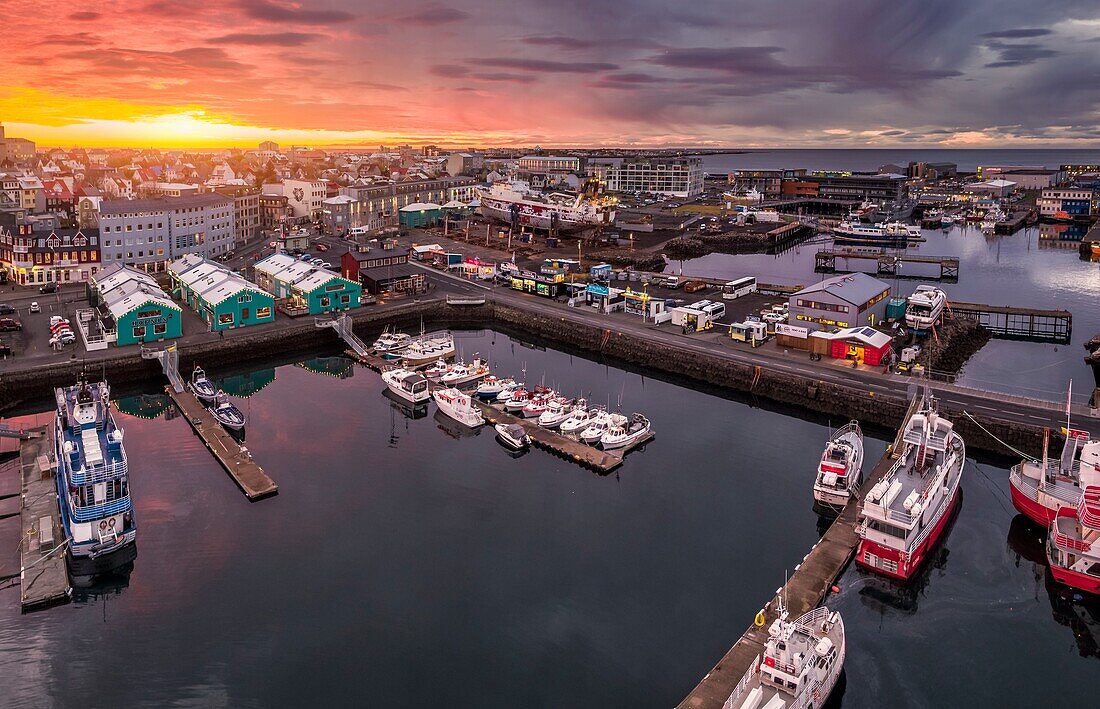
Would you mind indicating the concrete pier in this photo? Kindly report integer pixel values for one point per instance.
(249, 476)
(43, 547)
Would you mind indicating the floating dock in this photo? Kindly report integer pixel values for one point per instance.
(1011, 323)
(887, 262)
(250, 477)
(43, 547)
(1013, 224)
(803, 592)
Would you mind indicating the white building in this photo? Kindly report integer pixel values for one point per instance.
(304, 197)
(1065, 202)
(151, 232)
(676, 177)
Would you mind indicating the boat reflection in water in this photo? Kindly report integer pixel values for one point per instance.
(404, 407)
(89, 577)
(1080, 612)
(881, 592)
(453, 428)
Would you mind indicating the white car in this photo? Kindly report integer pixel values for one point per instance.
(326, 265)
(774, 318)
(35, 307)
(316, 262)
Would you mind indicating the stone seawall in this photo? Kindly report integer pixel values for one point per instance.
(836, 401)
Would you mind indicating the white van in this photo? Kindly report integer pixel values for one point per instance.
(358, 231)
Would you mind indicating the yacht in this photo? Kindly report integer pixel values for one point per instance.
(410, 385)
(579, 419)
(391, 341)
(93, 482)
(801, 663)
(599, 424)
(201, 386)
(489, 388)
(924, 308)
(557, 411)
(537, 405)
(426, 349)
(458, 406)
(463, 373)
(437, 369)
(1073, 544)
(226, 412)
(512, 435)
(906, 512)
(840, 470)
(625, 433)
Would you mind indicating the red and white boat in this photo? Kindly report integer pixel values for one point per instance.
(1073, 545)
(538, 210)
(1041, 488)
(906, 512)
(841, 469)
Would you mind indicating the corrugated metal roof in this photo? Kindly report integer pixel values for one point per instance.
(854, 288)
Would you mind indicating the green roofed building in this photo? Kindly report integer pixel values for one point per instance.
(420, 214)
(222, 298)
(133, 306)
(300, 287)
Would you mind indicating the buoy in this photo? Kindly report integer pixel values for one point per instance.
(835, 589)
(759, 622)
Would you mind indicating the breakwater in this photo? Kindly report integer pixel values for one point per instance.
(848, 400)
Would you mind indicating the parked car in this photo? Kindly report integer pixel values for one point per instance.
(304, 257)
(5, 351)
(10, 324)
(6, 309)
(316, 262)
(321, 247)
(35, 307)
(326, 265)
(694, 286)
(48, 288)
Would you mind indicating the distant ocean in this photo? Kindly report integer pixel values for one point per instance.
(870, 159)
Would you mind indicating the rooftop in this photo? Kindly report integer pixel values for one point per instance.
(126, 206)
(854, 288)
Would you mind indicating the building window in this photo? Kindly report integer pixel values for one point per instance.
(139, 332)
(160, 328)
(244, 299)
(263, 313)
(225, 319)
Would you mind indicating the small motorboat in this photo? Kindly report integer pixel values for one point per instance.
(463, 373)
(557, 411)
(579, 419)
(625, 434)
(202, 387)
(507, 390)
(599, 424)
(512, 435)
(517, 400)
(458, 406)
(437, 369)
(226, 412)
(841, 469)
(536, 405)
(490, 387)
(391, 341)
(408, 384)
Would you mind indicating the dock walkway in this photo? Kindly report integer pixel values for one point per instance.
(43, 546)
(887, 262)
(1005, 321)
(249, 476)
(803, 592)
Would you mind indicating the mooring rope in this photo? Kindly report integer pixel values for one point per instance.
(1017, 452)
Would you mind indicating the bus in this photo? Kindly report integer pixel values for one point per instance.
(738, 288)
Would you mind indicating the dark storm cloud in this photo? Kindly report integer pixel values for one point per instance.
(1024, 33)
(283, 39)
(544, 65)
(272, 12)
(1018, 54)
(733, 60)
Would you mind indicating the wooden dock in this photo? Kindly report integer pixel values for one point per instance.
(804, 591)
(1014, 223)
(249, 476)
(1032, 324)
(43, 547)
(886, 261)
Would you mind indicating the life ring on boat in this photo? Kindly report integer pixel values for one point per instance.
(817, 694)
(759, 620)
(103, 525)
(111, 523)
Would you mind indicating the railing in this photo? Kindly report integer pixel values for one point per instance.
(743, 684)
(98, 473)
(1067, 542)
(104, 509)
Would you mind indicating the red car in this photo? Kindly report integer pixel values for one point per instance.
(10, 324)
(321, 247)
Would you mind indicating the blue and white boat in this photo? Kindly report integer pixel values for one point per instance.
(93, 486)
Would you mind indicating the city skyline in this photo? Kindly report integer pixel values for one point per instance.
(469, 72)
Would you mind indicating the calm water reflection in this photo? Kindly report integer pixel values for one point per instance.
(1019, 269)
(402, 565)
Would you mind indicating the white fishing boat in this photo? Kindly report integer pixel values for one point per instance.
(409, 385)
(557, 411)
(429, 348)
(579, 419)
(840, 470)
(391, 341)
(489, 388)
(226, 412)
(437, 369)
(516, 399)
(462, 373)
(800, 666)
(537, 405)
(598, 425)
(458, 406)
(201, 386)
(512, 435)
(924, 308)
(622, 434)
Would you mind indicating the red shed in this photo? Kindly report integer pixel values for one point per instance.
(863, 344)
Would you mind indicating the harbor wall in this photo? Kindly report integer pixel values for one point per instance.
(127, 366)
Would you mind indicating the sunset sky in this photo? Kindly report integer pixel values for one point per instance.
(561, 72)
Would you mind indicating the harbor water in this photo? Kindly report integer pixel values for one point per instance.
(407, 563)
(1034, 268)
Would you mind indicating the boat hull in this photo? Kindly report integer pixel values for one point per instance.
(1032, 509)
(1075, 579)
(908, 567)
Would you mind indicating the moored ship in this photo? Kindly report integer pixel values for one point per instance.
(890, 233)
(93, 485)
(1073, 545)
(564, 212)
(840, 470)
(800, 666)
(1040, 488)
(906, 512)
